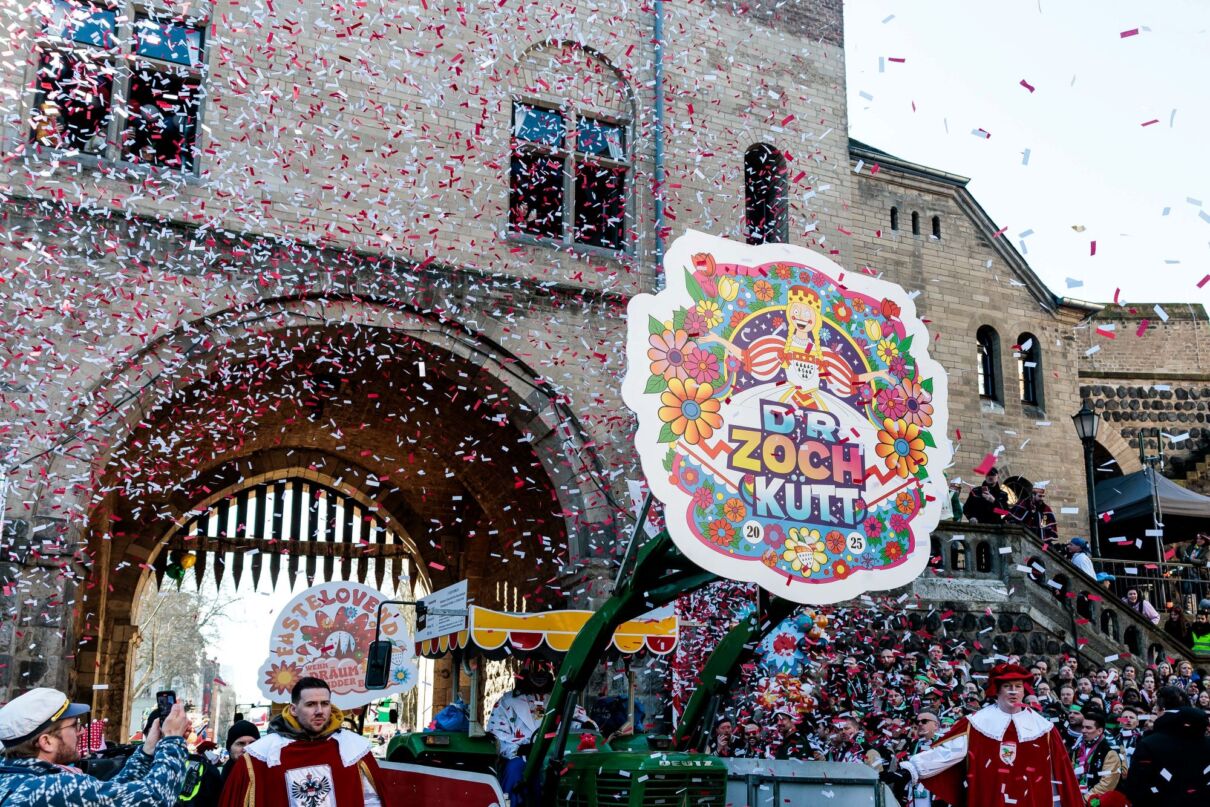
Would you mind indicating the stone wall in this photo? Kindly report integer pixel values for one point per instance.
(968, 278)
(1148, 378)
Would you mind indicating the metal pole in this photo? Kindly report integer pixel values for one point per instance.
(658, 80)
(1094, 532)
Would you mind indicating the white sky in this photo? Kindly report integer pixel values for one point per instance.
(1092, 163)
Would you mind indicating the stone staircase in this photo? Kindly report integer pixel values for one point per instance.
(998, 591)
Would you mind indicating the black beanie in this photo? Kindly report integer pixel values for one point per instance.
(241, 728)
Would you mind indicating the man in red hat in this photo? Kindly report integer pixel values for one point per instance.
(1001, 754)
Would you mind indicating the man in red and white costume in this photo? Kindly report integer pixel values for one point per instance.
(307, 760)
(1001, 754)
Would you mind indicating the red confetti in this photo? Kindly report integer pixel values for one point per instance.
(1027, 85)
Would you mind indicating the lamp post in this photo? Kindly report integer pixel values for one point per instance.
(1087, 423)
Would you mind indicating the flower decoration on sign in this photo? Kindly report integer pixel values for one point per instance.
(792, 422)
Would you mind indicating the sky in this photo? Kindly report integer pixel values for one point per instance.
(1094, 172)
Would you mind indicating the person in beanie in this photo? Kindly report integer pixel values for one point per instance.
(1001, 754)
(38, 730)
(241, 734)
(1077, 550)
(307, 759)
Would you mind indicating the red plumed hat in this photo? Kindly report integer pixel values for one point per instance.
(1003, 673)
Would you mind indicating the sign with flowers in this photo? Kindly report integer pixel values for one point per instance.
(326, 632)
(790, 418)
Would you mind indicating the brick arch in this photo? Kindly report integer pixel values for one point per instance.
(122, 533)
(1113, 442)
(563, 71)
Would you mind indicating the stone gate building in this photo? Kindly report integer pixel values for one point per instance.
(387, 248)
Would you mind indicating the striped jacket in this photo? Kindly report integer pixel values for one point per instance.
(143, 781)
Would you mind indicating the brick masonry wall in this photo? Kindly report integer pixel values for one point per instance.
(963, 284)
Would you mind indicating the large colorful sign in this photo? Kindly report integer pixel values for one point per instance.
(326, 632)
(790, 418)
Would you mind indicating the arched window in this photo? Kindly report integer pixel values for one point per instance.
(957, 556)
(915, 223)
(570, 171)
(988, 357)
(894, 218)
(983, 557)
(936, 227)
(766, 195)
(936, 556)
(1029, 369)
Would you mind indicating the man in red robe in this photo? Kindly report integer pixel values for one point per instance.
(306, 760)
(1002, 754)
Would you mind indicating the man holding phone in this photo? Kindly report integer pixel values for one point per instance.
(38, 730)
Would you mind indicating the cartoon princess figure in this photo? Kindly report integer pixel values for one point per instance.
(802, 360)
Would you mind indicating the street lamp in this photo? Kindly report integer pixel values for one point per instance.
(1087, 422)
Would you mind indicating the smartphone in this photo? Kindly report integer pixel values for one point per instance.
(164, 701)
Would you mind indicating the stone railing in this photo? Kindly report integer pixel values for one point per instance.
(1007, 594)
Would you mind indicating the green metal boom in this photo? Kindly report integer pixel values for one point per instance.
(661, 574)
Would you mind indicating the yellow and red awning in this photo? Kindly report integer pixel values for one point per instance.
(502, 633)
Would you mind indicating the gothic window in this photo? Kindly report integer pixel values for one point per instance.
(915, 223)
(983, 557)
(987, 344)
(957, 556)
(120, 82)
(569, 176)
(766, 195)
(1029, 369)
(936, 227)
(894, 218)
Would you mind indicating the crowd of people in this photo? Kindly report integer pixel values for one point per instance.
(880, 705)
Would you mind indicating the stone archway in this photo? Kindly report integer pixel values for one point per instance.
(481, 467)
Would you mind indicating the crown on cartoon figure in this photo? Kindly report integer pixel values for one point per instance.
(802, 294)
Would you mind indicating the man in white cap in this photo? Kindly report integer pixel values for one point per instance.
(38, 730)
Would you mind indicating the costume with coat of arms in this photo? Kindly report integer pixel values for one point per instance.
(994, 757)
(288, 768)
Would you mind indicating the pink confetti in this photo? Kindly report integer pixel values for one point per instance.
(1027, 85)
(1148, 123)
(1203, 281)
(1093, 249)
(1142, 329)
(1131, 32)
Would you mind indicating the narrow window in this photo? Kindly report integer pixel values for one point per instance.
(937, 227)
(766, 195)
(987, 349)
(1029, 369)
(983, 557)
(957, 556)
(894, 218)
(915, 223)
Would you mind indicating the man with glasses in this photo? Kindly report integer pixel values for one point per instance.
(39, 732)
(925, 730)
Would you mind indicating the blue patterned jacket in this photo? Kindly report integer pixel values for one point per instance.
(143, 781)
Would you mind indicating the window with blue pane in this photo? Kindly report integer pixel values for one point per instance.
(92, 24)
(168, 41)
(92, 51)
(569, 177)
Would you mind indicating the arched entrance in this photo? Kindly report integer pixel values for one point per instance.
(477, 468)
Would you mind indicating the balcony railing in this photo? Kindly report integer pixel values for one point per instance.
(1097, 609)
